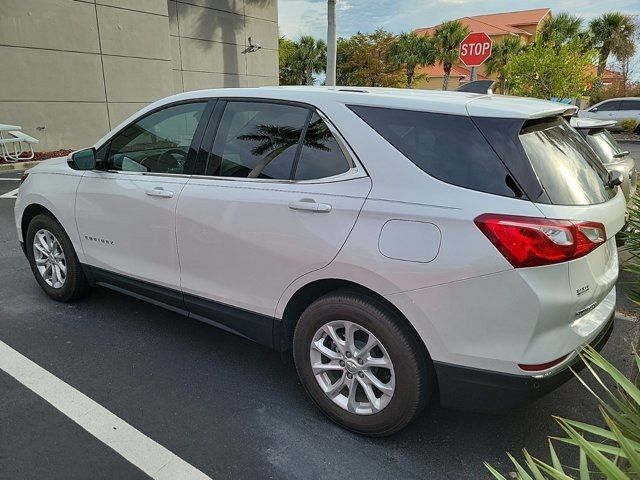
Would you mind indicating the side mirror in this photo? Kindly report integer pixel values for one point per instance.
(594, 109)
(615, 179)
(83, 159)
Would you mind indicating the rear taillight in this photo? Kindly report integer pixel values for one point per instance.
(532, 242)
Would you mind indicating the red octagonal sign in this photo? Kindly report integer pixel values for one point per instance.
(475, 49)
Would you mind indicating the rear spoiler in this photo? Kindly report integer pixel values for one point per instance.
(478, 86)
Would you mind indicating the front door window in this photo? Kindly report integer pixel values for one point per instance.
(158, 143)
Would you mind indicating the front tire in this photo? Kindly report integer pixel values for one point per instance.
(53, 260)
(361, 364)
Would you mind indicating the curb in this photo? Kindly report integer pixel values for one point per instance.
(18, 166)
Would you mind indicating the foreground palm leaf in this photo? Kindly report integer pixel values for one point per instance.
(612, 451)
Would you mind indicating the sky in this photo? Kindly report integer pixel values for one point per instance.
(300, 17)
(309, 17)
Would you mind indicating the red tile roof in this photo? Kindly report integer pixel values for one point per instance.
(499, 23)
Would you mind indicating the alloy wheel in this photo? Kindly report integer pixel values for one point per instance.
(352, 367)
(49, 258)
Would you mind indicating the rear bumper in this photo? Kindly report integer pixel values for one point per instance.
(472, 389)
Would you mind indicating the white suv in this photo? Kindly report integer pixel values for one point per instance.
(403, 244)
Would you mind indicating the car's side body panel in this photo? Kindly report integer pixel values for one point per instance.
(124, 229)
(241, 244)
(52, 185)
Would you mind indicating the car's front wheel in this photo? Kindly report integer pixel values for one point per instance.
(360, 364)
(53, 260)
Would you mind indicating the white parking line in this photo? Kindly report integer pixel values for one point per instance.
(9, 179)
(149, 456)
(11, 194)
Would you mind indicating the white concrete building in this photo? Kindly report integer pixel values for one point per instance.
(73, 69)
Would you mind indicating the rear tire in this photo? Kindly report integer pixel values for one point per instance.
(53, 260)
(398, 364)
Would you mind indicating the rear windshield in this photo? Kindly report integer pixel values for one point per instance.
(447, 147)
(567, 168)
(604, 145)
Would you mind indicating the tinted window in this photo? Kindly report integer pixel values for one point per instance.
(608, 106)
(630, 105)
(257, 140)
(568, 169)
(321, 155)
(604, 145)
(157, 143)
(448, 147)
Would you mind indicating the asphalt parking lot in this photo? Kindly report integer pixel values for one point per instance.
(226, 406)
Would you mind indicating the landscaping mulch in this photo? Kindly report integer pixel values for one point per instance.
(39, 156)
(626, 136)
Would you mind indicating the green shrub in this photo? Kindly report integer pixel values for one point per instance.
(628, 124)
(612, 451)
(632, 245)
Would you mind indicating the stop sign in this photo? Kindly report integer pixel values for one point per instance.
(475, 49)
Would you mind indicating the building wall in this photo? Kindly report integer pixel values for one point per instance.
(208, 38)
(435, 83)
(73, 69)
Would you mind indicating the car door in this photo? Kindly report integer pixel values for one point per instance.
(125, 211)
(268, 208)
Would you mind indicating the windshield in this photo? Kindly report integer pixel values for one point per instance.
(604, 145)
(567, 168)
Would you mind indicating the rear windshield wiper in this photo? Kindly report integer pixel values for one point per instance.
(621, 154)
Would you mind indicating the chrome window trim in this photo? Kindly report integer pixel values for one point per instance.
(146, 174)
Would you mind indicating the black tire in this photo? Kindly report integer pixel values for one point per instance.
(414, 378)
(75, 285)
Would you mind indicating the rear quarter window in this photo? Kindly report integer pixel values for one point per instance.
(447, 147)
(568, 169)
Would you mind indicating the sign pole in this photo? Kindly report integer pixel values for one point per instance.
(474, 74)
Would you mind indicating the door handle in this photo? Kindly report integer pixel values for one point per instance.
(159, 192)
(308, 205)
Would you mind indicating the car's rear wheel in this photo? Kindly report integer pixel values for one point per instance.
(361, 364)
(53, 260)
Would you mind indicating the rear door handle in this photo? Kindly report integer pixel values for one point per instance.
(159, 192)
(308, 205)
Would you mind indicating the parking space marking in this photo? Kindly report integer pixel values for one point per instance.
(2, 179)
(11, 194)
(143, 452)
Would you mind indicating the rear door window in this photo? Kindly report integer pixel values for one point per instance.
(257, 140)
(568, 169)
(630, 105)
(447, 147)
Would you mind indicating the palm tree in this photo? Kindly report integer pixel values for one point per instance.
(613, 33)
(299, 60)
(561, 28)
(497, 62)
(412, 51)
(276, 139)
(447, 39)
(312, 54)
(331, 43)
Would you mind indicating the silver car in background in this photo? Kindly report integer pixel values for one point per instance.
(616, 110)
(611, 154)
